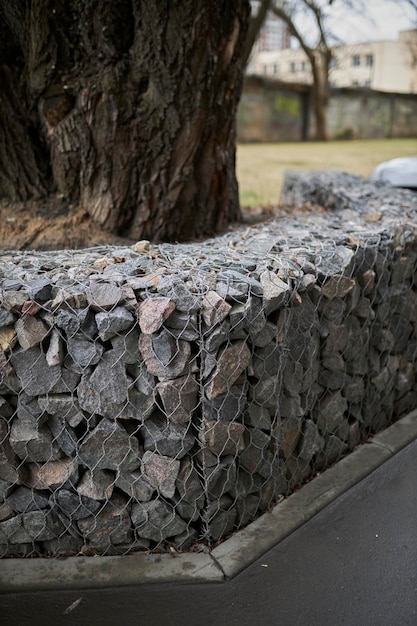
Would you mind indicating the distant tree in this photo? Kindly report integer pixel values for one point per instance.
(307, 22)
(126, 107)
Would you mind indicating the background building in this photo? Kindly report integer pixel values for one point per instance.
(389, 66)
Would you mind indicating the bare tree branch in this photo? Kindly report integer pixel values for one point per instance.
(255, 25)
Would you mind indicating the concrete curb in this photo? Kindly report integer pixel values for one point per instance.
(230, 557)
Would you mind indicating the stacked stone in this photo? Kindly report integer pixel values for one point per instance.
(163, 395)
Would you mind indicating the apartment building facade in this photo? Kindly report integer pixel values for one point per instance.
(389, 66)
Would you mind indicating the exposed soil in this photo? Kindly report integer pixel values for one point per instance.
(51, 225)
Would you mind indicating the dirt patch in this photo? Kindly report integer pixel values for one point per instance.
(52, 225)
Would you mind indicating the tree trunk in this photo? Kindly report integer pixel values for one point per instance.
(320, 70)
(135, 101)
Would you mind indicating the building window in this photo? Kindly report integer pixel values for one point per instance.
(265, 69)
(355, 83)
(367, 83)
(356, 60)
(275, 69)
(303, 66)
(334, 63)
(369, 60)
(293, 68)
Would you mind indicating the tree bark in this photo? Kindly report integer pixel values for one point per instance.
(320, 61)
(134, 102)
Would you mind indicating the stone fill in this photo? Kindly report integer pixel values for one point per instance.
(165, 395)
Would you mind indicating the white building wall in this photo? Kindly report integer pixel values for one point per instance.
(381, 65)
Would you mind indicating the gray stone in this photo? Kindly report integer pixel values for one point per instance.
(31, 331)
(266, 392)
(62, 405)
(354, 391)
(290, 407)
(7, 318)
(109, 446)
(275, 291)
(332, 452)
(70, 321)
(73, 505)
(236, 279)
(221, 478)
(111, 526)
(14, 300)
(138, 407)
(23, 500)
(9, 463)
(255, 319)
(103, 296)
(153, 312)
(214, 308)
(232, 361)
(67, 383)
(264, 336)
(104, 390)
(64, 436)
(174, 288)
(230, 290)
(223, 522)
(40, 289)
(28, 409)
(165, 356)
(96, 484)
(156, 520)
(258, 417)
(268, 361)
(84, 352)
(110, 323)
(65, 545)
(34, 373)
(252, 457)
(311, 442)
(222, 438)
(125, 347)
(227, 406)
(5, 408)
(161, 472)
(218, 335)
(179, 398)
(29, 527)
(183, 324)
(135, 485)
(334, 362)
(72, 296)
(167, 438)
(292, 379)
(188, 484)
(330, 412)
(32, 442)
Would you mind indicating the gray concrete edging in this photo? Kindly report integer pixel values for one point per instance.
(231, 556)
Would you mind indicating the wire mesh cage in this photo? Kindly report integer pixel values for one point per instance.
(162, 397)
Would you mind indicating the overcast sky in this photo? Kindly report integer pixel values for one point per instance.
(385, 19)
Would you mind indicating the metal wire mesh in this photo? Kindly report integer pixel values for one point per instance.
(163, 397)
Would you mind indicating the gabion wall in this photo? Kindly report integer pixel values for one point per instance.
(162, 396)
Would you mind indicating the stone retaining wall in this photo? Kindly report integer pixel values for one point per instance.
(166, 395)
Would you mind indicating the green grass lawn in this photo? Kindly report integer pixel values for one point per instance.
(260, 167)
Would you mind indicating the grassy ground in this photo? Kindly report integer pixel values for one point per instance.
(260, 167)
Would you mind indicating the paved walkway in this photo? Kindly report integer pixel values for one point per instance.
(353, 564)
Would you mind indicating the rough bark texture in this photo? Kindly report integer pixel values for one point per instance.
(133, 102)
